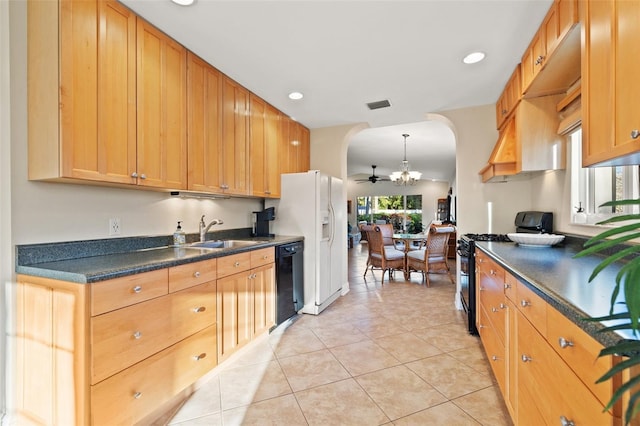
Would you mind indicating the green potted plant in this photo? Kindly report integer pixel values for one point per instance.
(627, 282)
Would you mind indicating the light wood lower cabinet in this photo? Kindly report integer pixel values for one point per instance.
(246, 299)
(114, 351)
(545, 365)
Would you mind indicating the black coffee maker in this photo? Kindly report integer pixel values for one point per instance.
(261, 228)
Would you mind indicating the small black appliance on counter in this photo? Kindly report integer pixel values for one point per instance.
(262, 222)
(532, 222)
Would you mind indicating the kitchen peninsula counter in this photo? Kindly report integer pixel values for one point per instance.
(563, 281)
(99, 260)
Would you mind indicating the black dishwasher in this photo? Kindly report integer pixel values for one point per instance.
(289, 280)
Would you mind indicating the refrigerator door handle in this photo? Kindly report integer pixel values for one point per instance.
(332, 224)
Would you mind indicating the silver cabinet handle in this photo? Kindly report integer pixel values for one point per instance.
(137, 289)
(137, 395)
(236, 264)
(564, 343)
(525, 358)
(494, 309)
(201, 356)
(199, 309)
(492, 272)
(635, 133)
(481, 326)
(566, 422)
(539, 59)
(196, 274)
(503, 306)
(143, 176)
(134, 174)
(507, 286)
(137, 335)
(494, 358)
(504, 112)
(481, 289)
(525, 303)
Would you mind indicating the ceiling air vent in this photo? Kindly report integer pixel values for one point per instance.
(379, 104)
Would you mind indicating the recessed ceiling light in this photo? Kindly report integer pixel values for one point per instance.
(296, 95)
(184, 2)
(473, 57)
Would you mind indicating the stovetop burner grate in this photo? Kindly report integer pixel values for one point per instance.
(488, 237)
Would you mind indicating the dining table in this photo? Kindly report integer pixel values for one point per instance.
(408, 240)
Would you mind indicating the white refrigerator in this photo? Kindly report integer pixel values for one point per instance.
(312, 205)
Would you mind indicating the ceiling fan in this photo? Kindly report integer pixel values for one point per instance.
(373, 178)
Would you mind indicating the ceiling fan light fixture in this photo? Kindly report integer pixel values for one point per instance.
(473, 57)
(405, 176)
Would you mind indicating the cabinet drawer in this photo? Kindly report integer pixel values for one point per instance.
(488, 266)
(532, 306)
(540, 367)
(494, 348)
(229, 265)
(580, 351)
(120, 292)
(263, 257)
(126, 336)
(136, 392)
(191, 274)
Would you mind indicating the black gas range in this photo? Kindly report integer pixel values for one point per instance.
(527, 221)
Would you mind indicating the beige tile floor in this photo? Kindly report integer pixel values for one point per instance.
(392, 354)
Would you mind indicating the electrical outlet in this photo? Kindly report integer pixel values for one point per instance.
(114, 226)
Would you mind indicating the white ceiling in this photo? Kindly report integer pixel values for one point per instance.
(344, 54)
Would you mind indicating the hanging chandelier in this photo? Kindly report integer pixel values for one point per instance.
(405, 176)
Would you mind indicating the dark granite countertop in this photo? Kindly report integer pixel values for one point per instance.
(98, 260)
(563, 281)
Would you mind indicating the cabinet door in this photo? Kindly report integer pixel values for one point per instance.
(272, 152)
(235, 142)
(304, 151)
(162, 119)
(97, 91)
(234, 312)
(263, 298)
(609, 89)
(533, 60)
(204, 100)
(257, 147)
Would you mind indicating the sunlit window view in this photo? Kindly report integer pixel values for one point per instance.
(404, 212)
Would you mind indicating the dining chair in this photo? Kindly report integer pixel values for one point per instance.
(387, 237)
(386, 258)
(431, 256)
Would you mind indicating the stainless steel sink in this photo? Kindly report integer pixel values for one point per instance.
(218, 244)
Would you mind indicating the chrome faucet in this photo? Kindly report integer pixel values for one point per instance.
(204, 228)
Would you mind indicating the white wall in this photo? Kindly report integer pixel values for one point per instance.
(475, 137)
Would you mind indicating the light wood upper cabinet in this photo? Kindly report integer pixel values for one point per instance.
(82, 126)
(235, 138)
(162, 109)
(610, 87)
(204, 107)
(551, 63)
(265, 149)
(295, 145)
(509, 98)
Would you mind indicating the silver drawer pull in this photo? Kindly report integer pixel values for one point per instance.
(137, 335)
(137, 289)
(494, 358)
(196, 274)
(526, 358)
(137, 395)
(566, 422)
(507, 286)
(134, 175)
(265, 257)
(503, 306)
(200, 309)
(635, 133)
(525, 303)
(492, 272)
(564, 343)
(201, 356)
(236, 264)
(494, 309)
(143, 176)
